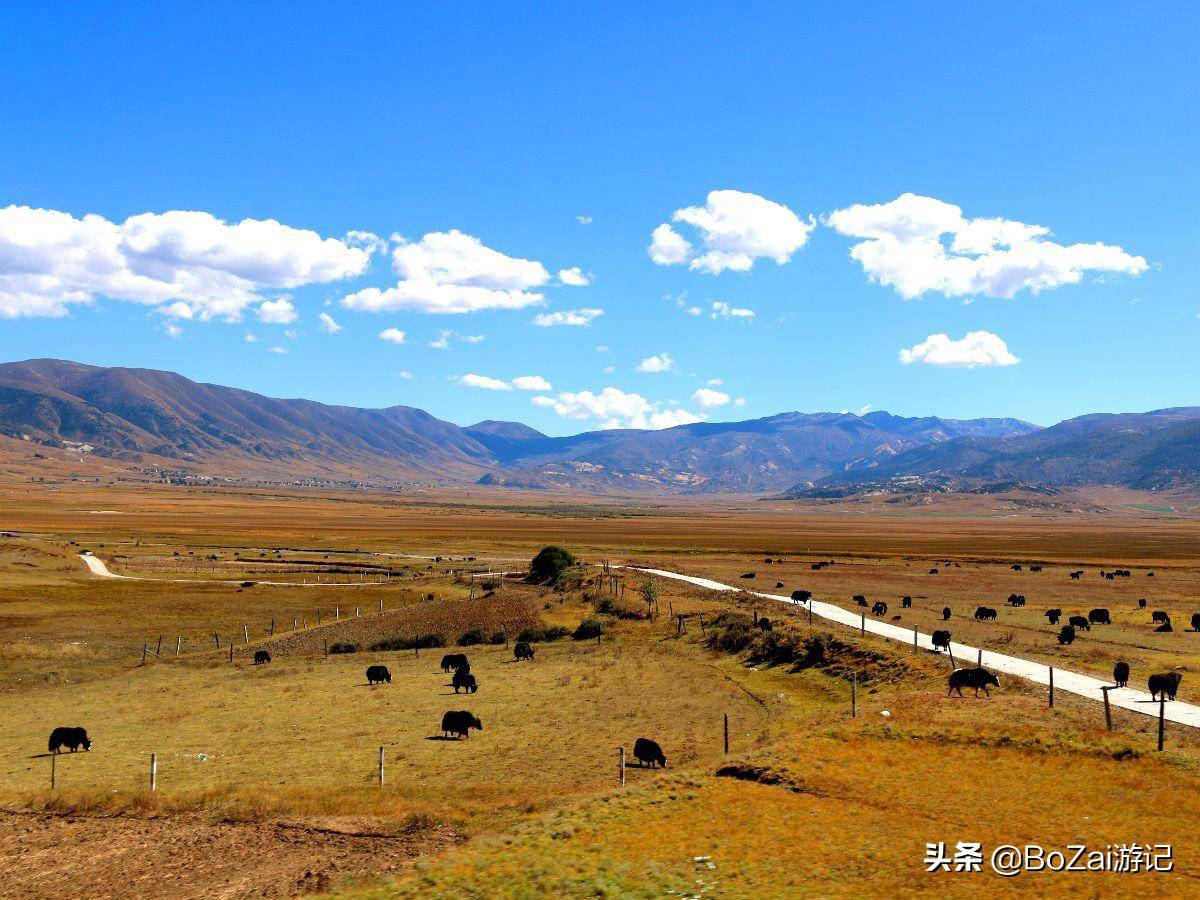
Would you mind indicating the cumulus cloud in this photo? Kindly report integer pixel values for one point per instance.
(734, 230)
(392, 335)
(707, 398)
(365, 240)
(532, 383)
(172, 331)
(406, 375)
(577, 317)
(978, 348)
(715, 382)
(193, 263)
(282, 351)
(722, 310)
(328, 325)
(453, 273)
(483, 381)
(277, 312)
(660, 362)
(916, 244)
(443, 339)
(615, 408)
(574, 277)
(584, 220)
(442, 342)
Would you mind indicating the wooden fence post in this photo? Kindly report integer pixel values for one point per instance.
(621, 763)
(862, 628)
(246, 633)
(145, 648)
(381, 767)
(381, 604)
(231, 651)
(1052, 687)
(327, 648)
(950, 653)
(1107, 708)
(158, 652)
(337, 613)
(726, 734)
(980, 663)
(272, 627)
(914, 639)
(1162, 717)
(357, 612)
(178, 642)
(295, 624)
(53, 770)
(153, 771)
(217, 640)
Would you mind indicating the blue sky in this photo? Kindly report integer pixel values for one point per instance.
(505, 124)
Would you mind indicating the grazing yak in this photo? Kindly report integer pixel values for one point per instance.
(778, 585)
(459, 723)
(452, 661)
(261, 656)
(879, 609)
(1066, 635)
(801, 596)
(465, 680)
(972, 678)
(1016, 568)
(1166, 684)
(1142, 603)
(941, 640)
(522, 651)
(945, 614)
(1159, 616)
(860, 599)
(905, 602)
(1165, 626)
(1121, 674)
(72, 738)
(1053, 615)
(747, 575)
(648, 753)
(1035, 568)
(1099, 616)
(1080, 623)
(985, 614)
(1195, 621)
(1077, 575)
(378, 675)
(933, 571)
(1016, 599)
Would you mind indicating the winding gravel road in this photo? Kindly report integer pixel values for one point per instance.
(1064, 680)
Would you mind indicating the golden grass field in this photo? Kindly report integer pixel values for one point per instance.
(267, 774)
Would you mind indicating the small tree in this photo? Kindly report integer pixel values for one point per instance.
(650, 591)
(549, 564)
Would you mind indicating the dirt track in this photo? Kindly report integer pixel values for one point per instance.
(44, 855)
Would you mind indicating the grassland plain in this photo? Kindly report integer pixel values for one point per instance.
(267, 775)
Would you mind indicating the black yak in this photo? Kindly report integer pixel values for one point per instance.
(1077, 575)
(801, 596)
(1195, 621)
(1035, 568)
(1166, 684)
(747, 575)
(1165, 627)
(1142, 603)
(1159, 616)
(1099, 616)
(945, 614)
(459, 723)
(261, 656)
(648, 753)
(972, 678)
(905, 602)
(933, 571)
(879, 609)
(465, 680)
(1121, 674)
(1016, 567)
(860, 599)
(73, 738)
(1080, 623)
(941, 640)
(1066, 635)
(378, 675)
(985, 614)
(522, 651)
(1053, 615)
(1016, 599)
(778, 585)
(452, 661)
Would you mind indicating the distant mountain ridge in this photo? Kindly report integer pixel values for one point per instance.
(152, 417)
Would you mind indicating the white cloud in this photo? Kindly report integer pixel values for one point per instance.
(328, 325)
(917, 244)
(472, 338)
(574, 277)
(392, 335)
(282, 351)
(404, 374)
(483, 381)
(715, 382)
(444, 338)
(532, 383)
(661, 362)
(50, 260)
(668, 247)
(453, 273)
(707, 398)
(735, 229)
(277, 312)
(978, 348)
(251, 338)
(740, 401)
(584, 220)
(365, 240)
(603, 348)
(577, 317)
(608, 370)
(442, 342)
(173, 331)
(615, 408)
(722, 310)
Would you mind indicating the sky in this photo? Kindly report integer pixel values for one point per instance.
(596, 215)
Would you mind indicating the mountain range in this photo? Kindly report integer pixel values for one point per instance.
(161, 420)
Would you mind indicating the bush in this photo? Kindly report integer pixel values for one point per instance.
(343, 647)
(420, 641)
(540, 633)
(490, 585)
(731, 633)
(609, 606)
(472, 637)
(549, 564)
(498, 637)
(588, 628)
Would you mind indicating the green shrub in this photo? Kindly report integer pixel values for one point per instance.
(421, 641)
(588, 628)
(343, 647)
(498, 637)
(549, 564)
(472, 637)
